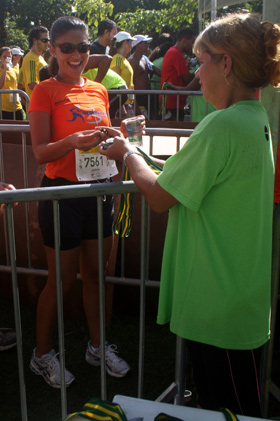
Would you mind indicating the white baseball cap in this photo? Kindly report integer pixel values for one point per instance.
(123, 35)
(16, 51)
(140, 38)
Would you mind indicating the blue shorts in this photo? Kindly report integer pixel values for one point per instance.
(78, 217)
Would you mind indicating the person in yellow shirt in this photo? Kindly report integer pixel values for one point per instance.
(8, 80)
(33, 61)
(16, 56)
(120, 64)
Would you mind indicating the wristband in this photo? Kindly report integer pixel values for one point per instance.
(129, 153)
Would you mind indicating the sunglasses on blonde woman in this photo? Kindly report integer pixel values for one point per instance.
(69, 48)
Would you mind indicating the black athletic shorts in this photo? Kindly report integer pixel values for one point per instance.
(78, 217)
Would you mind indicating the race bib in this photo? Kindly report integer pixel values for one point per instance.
(91, 165)
(16, 97)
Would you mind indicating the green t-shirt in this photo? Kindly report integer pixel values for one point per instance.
(155, 81)
(199, 107)
(215, 282)
(111, 80)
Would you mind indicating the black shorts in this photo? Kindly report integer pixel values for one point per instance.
(9, 115)
(78, 217)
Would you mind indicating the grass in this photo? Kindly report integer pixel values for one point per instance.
(43, 402)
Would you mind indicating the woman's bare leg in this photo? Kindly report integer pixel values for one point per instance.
(90, 276)
(47, 303)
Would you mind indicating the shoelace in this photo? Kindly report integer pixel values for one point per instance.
(112, 350)
(53, 362)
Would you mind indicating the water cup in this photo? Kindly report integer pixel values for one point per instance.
(134, 131)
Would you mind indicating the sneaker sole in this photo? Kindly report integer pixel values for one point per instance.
(6, 347)
(39, 373)
(108, 370)
(95, 363)
(118, 375)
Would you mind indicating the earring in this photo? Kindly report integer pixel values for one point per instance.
(227, 82)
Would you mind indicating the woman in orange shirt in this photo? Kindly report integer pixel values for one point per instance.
(65, 112)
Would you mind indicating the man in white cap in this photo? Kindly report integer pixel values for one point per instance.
(143, 70)
(121, 65)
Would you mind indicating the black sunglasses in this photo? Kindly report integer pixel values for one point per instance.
(44, 40)
(69, 48)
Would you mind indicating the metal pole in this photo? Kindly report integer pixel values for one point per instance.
(143, 277)
(101, 295)
(17, 312)
(25, 183)
(59, 308)
(180, 370)
(213, 10)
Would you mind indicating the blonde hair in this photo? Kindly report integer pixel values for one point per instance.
(254, 47)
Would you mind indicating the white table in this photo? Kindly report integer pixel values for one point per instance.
(148, 410)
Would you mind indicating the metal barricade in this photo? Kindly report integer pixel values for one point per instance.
(119, 92)
(156, 93)
(15, 93)
(28, 195)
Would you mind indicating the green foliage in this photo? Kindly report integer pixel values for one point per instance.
(44, 12)
(15, 36)
(254, 6)
(173, 15)
(136, 16)
(133, 5)
(92, 12)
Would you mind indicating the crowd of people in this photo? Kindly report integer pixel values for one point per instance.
(131, 57)
(218, 190)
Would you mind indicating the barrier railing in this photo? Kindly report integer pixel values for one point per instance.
(15, 93)
(152, 111)
(28, 195)
(55, 194)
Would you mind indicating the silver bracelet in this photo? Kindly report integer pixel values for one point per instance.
(129, 153)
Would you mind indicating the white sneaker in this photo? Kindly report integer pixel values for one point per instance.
(48, 366)
(115, 366)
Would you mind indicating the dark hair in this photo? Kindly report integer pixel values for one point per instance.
(44, 73)
(35, 33)
(164, 48)
(60, 27)
(163, 38)
(104, 25)
(2, 49)
(47, 55)
(185, 33)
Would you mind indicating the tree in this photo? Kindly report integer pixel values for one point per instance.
(44, 12)
(7, 9)
(92, 12)
(171, 15)
(15, 36)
